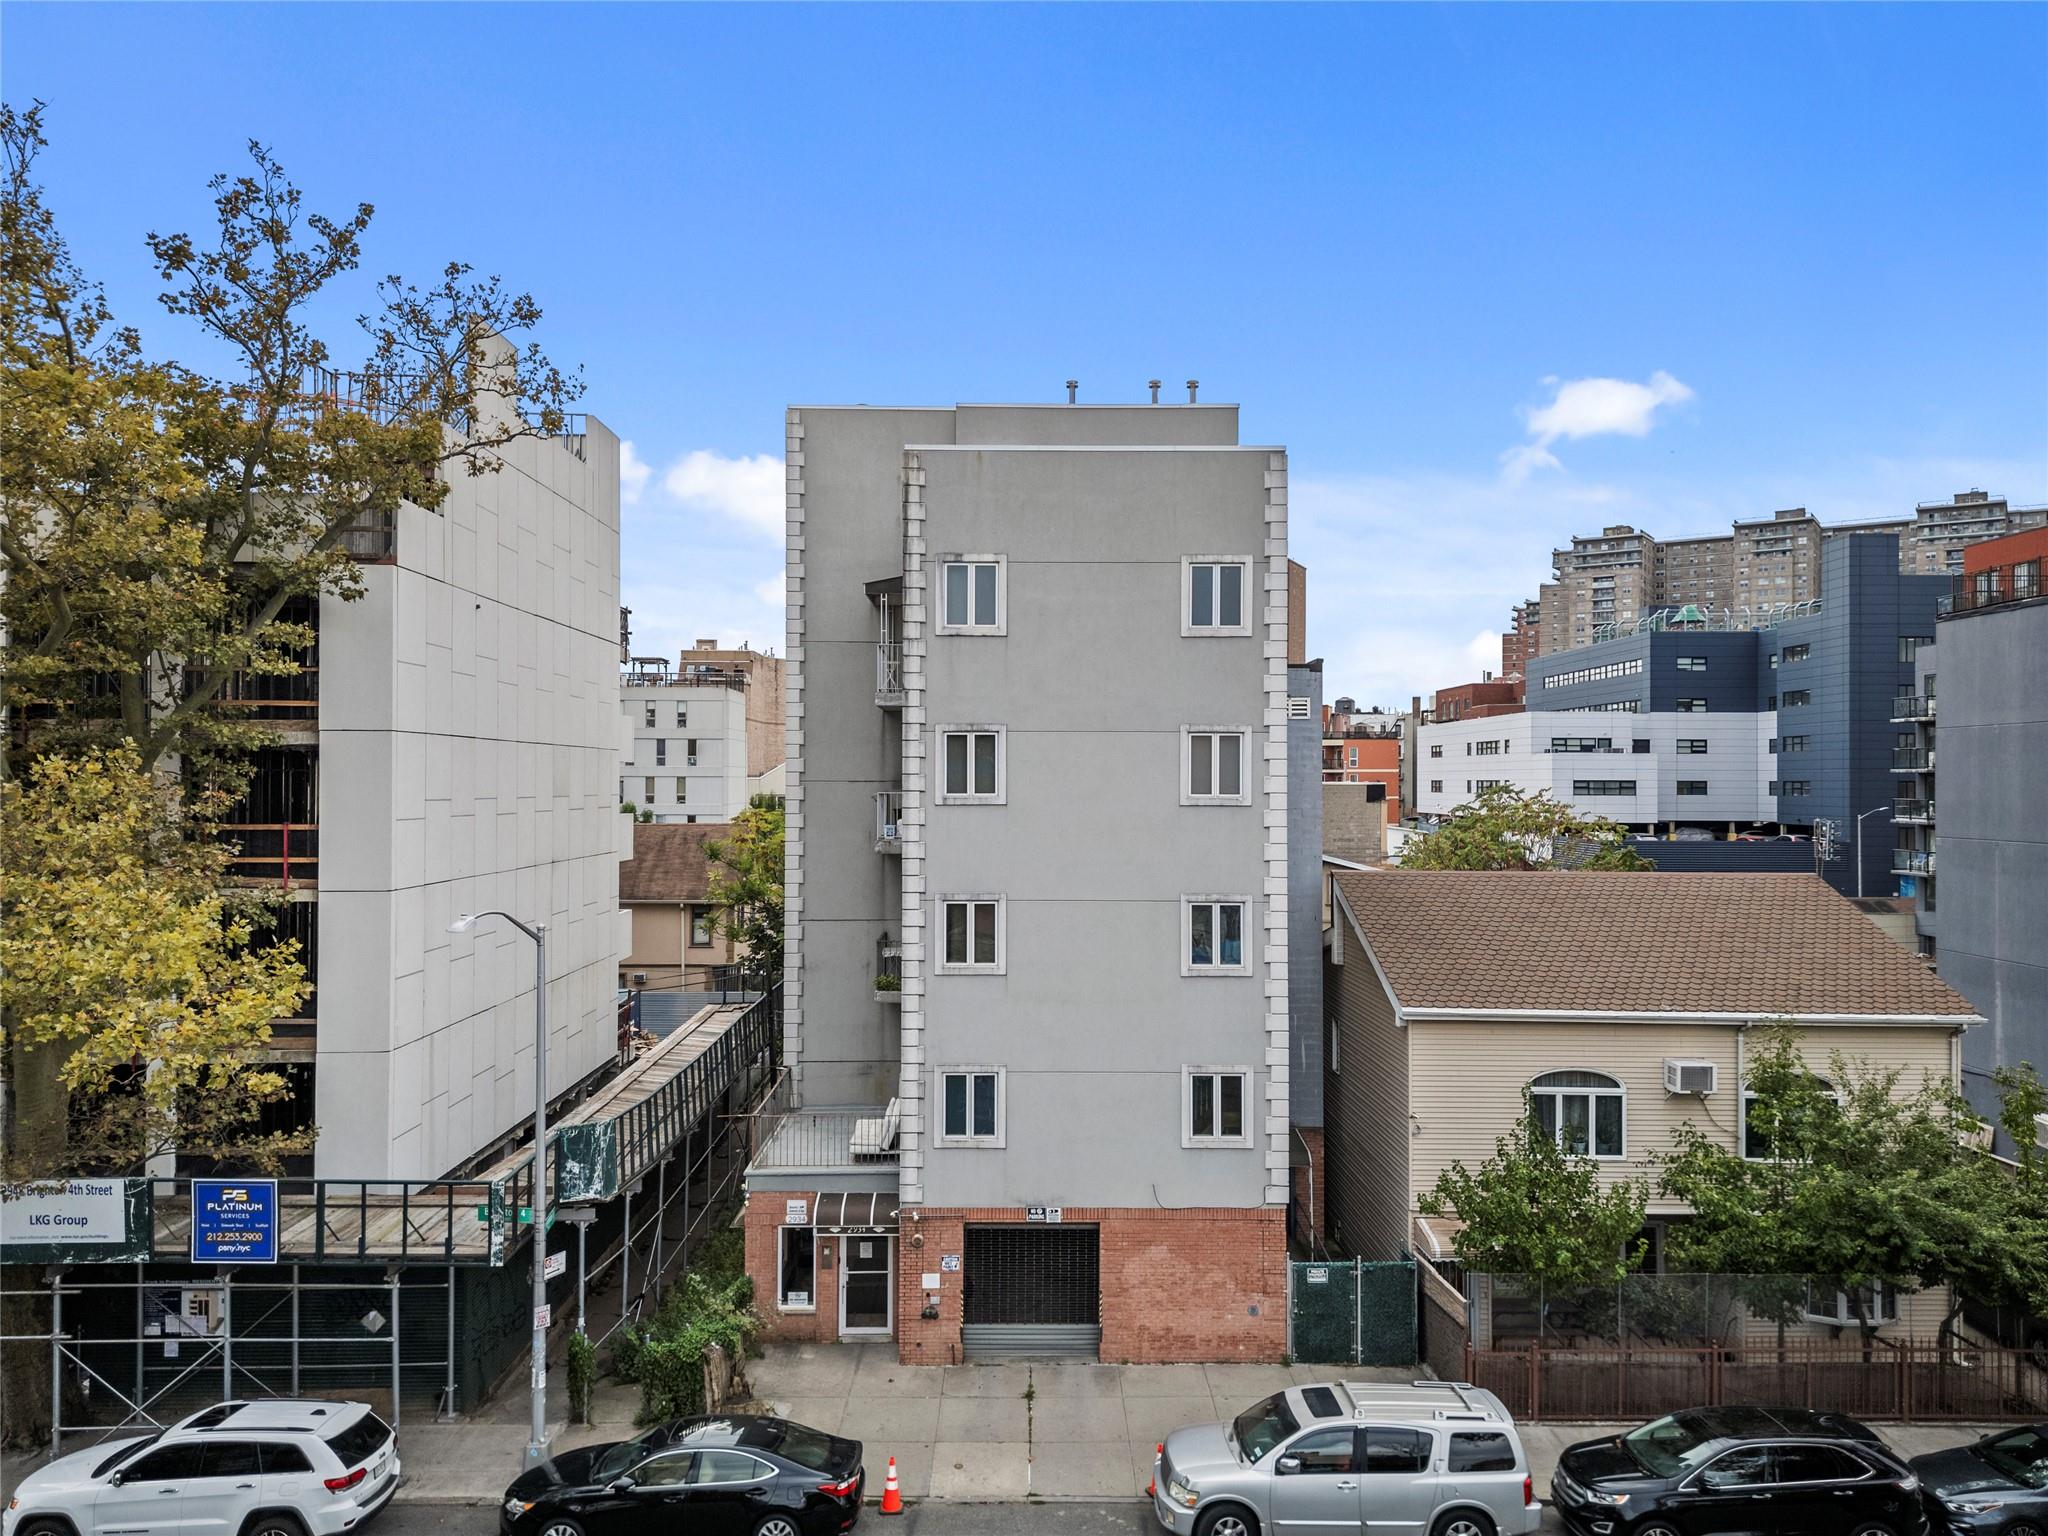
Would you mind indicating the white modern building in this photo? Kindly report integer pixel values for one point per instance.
(1644, 770)
(454, 749)
(685, 757)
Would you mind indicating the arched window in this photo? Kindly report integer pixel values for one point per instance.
(1585, 1112)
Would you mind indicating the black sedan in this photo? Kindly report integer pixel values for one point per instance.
(1997, 1487)
(1739, 1472)
(727, 1475)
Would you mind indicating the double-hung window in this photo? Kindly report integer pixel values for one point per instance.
(1214, 941)
(971, 1107)
(682, 716)
(1216, 1107)
(971, 936)
(1213, 766)
(1215, 595)
(971, 594)
(690, 751)
(661, 751)
(682, 791)
(1584, 1112)
(1692, 746)
(648, 716)
(1795, 698)
(971, 765)
(1692, 663)
(700, 926)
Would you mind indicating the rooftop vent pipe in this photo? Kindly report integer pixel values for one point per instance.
(1193, 385)
(1155, 390)
(1073, 389)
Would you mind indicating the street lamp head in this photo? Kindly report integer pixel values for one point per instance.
(463, 923)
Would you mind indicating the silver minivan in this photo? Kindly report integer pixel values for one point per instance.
(1425, 1458)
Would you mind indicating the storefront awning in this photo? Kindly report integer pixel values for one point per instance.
(855, 1213)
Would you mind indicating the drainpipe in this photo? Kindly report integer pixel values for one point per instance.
(1741, 1086)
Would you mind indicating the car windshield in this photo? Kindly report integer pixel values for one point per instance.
(1262, 1426)
(124, 1452)
(2021, 1456)
(1671, 1446)
(628, 1454)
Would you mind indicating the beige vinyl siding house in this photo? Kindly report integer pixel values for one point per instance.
(1450, 993)
(666, 887)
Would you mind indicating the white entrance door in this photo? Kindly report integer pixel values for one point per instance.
(866, 1286)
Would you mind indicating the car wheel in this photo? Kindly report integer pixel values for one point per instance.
(1462, 1522)
(777, 1525)
(1227, 1520)
(1656, 1528)
(1873, 1528)
(44, 1528)
(560, 1525)
(2025, 1528)
(273, 1525)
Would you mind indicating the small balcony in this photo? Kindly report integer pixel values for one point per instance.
(825, 1140)
(1912, 861)
(1912, 759)
(1915, 813)
(1913, 706)
(888, 971)
(890, 692)
(889, 821)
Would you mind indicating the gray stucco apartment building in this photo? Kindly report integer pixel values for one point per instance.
(1037, 990)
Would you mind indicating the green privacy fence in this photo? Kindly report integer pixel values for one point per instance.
(1352, 1312)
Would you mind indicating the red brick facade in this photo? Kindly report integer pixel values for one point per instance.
(1208, 1284)
(1182, 1285)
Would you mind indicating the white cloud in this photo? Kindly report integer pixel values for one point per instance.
(1581, 408)
(633, 473)
(747, 490)
(774, 593)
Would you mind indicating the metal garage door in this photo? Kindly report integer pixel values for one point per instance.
(1032, 1290)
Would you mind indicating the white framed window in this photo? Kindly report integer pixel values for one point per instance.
(796, 1285)
(1586, 1113)
(971, 939)
(649, 716)
(974, 596)
(682, 716)
(1216, 1107)
(1756, 1142)
(1215, 936)
(647, 791)
(971, 763)
(971, 1106)
(1213, 769)
(682, 790)
(1216, 595)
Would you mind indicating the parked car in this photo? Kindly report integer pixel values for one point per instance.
(713, 1475)
(1433, 1458)
(1756, 1471)
(279, 1467)
(1996, 1487)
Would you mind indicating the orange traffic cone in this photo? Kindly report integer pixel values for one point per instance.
(892, 1496)
(1152, 1486)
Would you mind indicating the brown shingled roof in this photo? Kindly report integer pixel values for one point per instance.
(1769, 945)
(669, 863)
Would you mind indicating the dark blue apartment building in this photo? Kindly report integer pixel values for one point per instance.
(1826, 675)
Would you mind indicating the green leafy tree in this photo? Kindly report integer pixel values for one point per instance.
(158, 519)
(122, 953)
(746, 888)
(1863, 1182)
(1535, 1210)
(1502, 828)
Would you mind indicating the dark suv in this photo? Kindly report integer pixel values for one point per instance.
(1754, 1471)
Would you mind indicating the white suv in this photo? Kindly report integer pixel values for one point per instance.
(276, 1467)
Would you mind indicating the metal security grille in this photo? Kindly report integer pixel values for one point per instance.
(1352, 1313)
(1032, 1274)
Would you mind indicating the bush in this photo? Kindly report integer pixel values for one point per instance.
(665, 1356)
(582, 1375)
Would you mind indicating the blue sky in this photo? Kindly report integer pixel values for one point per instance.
(1808, 246)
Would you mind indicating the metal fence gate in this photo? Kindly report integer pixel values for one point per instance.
(1352, 1313)
(1034, 1290)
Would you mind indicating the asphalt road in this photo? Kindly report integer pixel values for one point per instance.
(1127, 1517)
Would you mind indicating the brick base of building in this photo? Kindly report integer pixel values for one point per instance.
(762, 1223)
(1207, 1284)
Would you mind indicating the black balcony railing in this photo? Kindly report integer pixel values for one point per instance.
(2019, 582)
(1913, 759)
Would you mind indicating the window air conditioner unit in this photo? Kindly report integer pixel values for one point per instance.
(639, 978)
(1689, 1077)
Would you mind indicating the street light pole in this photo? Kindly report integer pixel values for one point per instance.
(537, 1440)
(1859, 846)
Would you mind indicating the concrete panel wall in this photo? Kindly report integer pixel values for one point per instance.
(469, 760)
